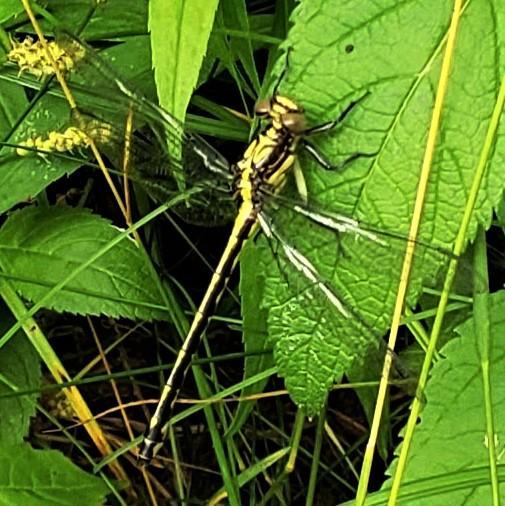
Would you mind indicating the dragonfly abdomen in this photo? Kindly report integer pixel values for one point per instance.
(156, 434)
(265, 163)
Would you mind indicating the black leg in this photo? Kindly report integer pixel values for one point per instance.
(284, 70)
(318, 157)
(325, 163)
(332, 124)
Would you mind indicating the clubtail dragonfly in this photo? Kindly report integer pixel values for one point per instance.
(254, 183)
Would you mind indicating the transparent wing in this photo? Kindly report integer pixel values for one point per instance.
(164, 157)
(164, 150)
(109, 90)
(330, 289)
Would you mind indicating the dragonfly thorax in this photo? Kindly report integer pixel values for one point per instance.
(283, 113)
(271, 154)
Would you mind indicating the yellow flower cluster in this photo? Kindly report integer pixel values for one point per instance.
(72, 138)
(31, 57)
(59, 405)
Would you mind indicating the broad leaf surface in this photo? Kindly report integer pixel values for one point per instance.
(10, 9)
(35, 477)
(12, 102)
(23, 177)
(40, 247)
(453, 423)
(240, 49)
(392, 50)
(255, 340)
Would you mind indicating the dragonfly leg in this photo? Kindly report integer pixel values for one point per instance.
(283, 73)
(326, 164)
(330, 125)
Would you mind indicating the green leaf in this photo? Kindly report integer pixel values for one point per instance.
(40, 247)
(111, 19)
(35, 478)
(179, 35)
(235, 15)
(19, 370)
(10, 9)
(23, 177)
(133, 59)
(393, 51)
(500, 213)
(12, 102)
(450, 437)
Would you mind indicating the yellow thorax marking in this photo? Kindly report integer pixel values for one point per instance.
(261, 148)
(286, 103)
(272, 133)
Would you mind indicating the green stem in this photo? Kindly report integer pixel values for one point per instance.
(314, 468)
(437, 325)
(481, 320)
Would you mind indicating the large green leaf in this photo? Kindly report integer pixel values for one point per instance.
(35, 478)
(112, 19)
(23, 177)
(450, 438)
(258, 358)
(40, 247)
(12, 101)
(392, 50)
(241, 49)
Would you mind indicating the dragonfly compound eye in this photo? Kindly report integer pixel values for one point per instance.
(294, 122)
(262, 108)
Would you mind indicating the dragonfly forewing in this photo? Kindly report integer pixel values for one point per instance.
(330, 291)
(164, 156)
(110, 89)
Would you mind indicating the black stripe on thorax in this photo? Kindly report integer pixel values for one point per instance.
(277, 145)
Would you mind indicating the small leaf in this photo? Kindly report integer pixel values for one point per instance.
(113, 19)
(258, 357)
(10, 9)
(179, 35)
(23, 177)
(12, 103)
(241, 49)
(20, 370)
(35, 477)
(40, 247)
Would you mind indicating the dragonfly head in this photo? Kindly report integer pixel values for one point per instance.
(284, 112)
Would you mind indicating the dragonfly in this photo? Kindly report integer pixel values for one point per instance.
(254, 184)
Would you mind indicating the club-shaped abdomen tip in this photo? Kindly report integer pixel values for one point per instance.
(147, 451)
